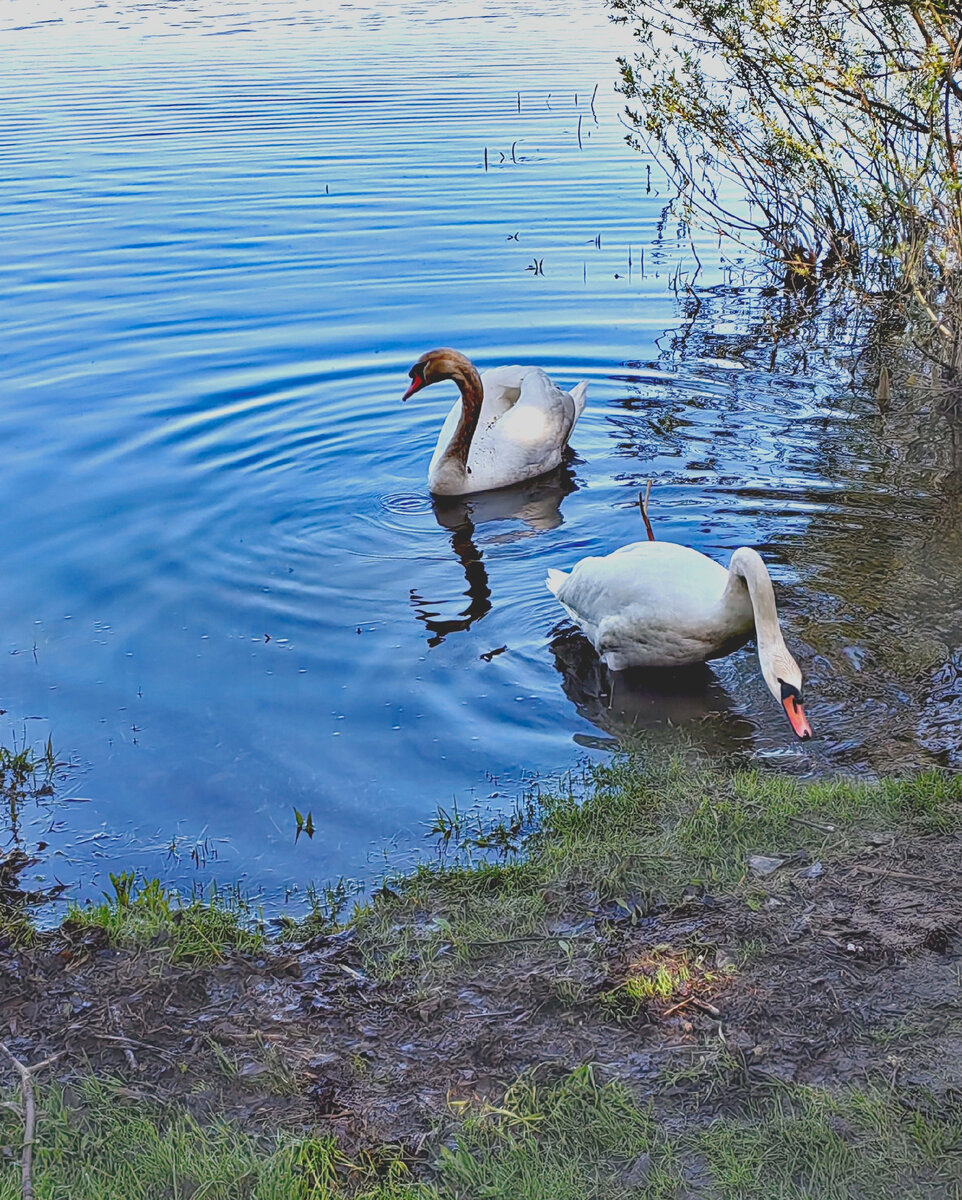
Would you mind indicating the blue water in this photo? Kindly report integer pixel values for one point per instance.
(228, 232)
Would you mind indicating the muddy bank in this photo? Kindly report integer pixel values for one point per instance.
(746, 957)
(819, 973)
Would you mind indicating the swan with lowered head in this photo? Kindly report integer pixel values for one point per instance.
(660, 604)
(511, 423)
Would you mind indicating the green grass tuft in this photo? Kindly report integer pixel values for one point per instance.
(147, 915)
(856, 1145)
(575, 1140)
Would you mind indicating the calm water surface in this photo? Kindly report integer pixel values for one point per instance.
(227, 233)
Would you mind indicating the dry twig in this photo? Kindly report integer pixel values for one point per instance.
(643, 505)
(903, 877)
(29, 1114)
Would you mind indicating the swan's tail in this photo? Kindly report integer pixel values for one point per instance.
(579, 394)
(555, 580)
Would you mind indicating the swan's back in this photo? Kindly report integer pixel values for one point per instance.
(652, 604)
(650, 575)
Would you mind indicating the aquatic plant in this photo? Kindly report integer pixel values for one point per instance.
(840, 125)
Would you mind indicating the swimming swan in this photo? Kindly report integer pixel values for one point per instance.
(660, 604)
(511, 423)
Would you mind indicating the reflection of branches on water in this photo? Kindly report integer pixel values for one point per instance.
(774, 330)
(532, 507)
(882, 563)
(796, 343)
(478, 590)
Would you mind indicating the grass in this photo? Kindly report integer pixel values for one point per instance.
(663, 975)
(144, 914)
(575, 1139)
(643, 833)
(27, 772)
(858, 1145)
(26, 776)
(97, 1141)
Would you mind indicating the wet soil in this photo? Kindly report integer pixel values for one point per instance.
(825, 973)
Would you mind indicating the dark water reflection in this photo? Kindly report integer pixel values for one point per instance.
(227, 592)
(523, 510)
(678, 709)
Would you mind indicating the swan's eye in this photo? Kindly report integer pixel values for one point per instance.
(790, 692)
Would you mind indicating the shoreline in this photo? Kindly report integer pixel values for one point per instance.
(656, 986)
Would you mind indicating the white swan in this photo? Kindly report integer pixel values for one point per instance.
(511, 423)
(660, 604)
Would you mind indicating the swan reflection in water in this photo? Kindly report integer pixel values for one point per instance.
(649, 703)
(532, 507)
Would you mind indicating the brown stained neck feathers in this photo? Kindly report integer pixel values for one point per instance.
(472, 396)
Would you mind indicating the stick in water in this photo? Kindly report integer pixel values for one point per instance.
(643, 505)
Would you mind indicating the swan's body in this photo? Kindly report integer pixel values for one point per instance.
(660, 604)
(510, 424)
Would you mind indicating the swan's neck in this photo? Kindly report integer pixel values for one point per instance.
(748, 570)
(472, 397)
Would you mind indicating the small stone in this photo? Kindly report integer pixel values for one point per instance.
(812, 872)
(762, 865)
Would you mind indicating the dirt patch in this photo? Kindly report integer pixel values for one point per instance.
(815, 973)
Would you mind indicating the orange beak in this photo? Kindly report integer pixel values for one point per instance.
(416, 384)
(796, 715)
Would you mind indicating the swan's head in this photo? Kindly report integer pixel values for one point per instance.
(784, 679)
(436, 365)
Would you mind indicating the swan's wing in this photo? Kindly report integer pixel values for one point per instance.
(539, 422)
(558, 408)
(579, 394)
(599, 587)
(502, 389)
(505, 387)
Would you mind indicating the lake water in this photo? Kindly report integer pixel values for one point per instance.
(226, 594)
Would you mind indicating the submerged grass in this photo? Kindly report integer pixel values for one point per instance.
(574, 1139)
(643, 833)
(26, 777)
(146, 914)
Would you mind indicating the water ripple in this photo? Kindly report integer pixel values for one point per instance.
(229, 232)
